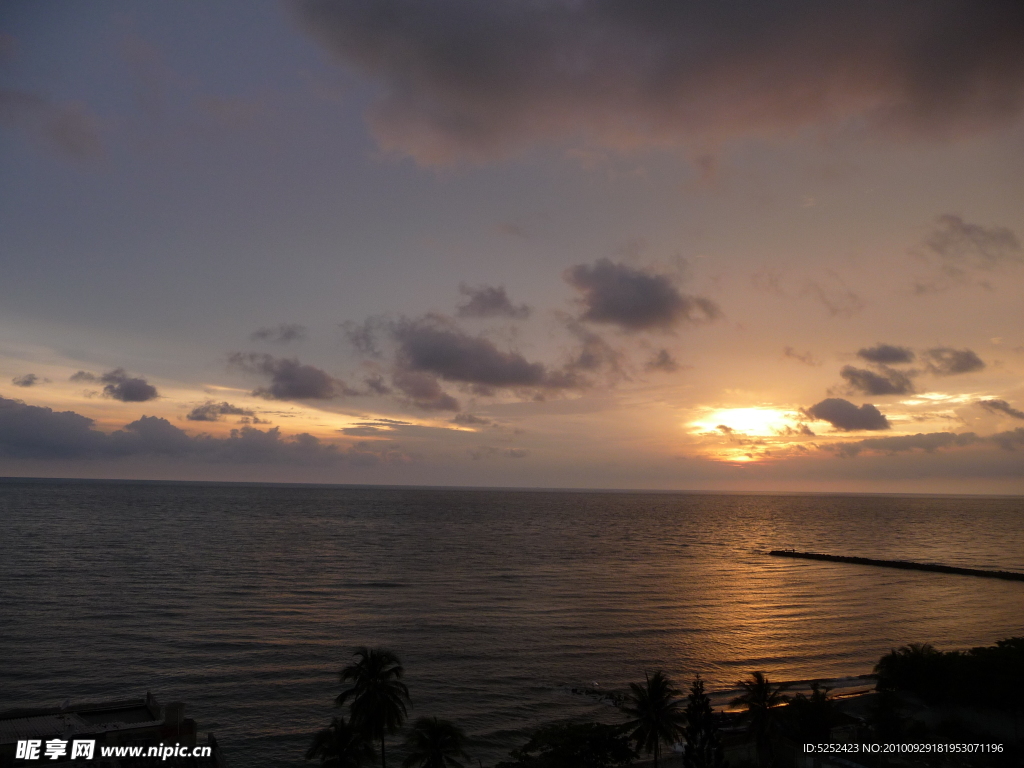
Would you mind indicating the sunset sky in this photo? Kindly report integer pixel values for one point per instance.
(712, 245)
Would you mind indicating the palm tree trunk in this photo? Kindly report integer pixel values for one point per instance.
(383, 762)
(657, 749)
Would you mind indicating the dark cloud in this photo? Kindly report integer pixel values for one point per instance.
(635, 300)
(289, 379)
(886, 354)
(946, 361)
(70, 128)
(121, 386)
(28, 380)
(424, 390)
(804, 357)
(211, 411)
(1001, 406)
(887, 382)
(488, 301)
(662, 361)
(32, 432)
(845, 416)
(280, 334)
(434, 346)
(83, 376)
(461, 78)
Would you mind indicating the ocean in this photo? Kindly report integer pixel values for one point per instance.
(245, 600)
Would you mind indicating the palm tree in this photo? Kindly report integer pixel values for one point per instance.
(760, 697)
(340, 745)
(655, 707)
(434, 743)
(703, 743)
(377, 696)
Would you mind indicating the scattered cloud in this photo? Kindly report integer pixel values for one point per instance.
(364, 336)
(28, 380)
(804, 357)
(946, 361)
(886, 354)
(280, 334)
(847, 417)
(454, 81)
(635, 300)
(835, 296)
(83, 376)
(662, 361)
(289, 379)
(887, 382)
(127, 389)
(490, 301)
(1001, 406)
(433, 345)
(960, 245)
(211, 411)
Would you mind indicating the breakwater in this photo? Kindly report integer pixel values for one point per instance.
(905, 564)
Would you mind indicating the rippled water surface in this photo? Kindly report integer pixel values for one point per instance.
(244, 601)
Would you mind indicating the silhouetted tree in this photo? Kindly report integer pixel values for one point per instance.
(657, 716)
(377, 696)
(434, 743)
(574, 745)
(703, 744)
(760, 697)
(341, 745)
(914, 667)
(811, 717)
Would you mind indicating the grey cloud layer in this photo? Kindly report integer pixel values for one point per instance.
(930, 442)
(464, 78)
(635, 300)
(33, 432)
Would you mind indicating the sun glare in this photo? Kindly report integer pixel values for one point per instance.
(748, 421)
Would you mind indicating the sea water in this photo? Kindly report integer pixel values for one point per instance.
(245, 600)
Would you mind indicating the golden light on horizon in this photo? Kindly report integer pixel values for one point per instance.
(759, 421)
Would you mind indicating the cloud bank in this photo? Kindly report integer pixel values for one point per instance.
(33, 432)
(465, 79)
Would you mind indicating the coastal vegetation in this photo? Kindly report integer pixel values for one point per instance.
(916, 684)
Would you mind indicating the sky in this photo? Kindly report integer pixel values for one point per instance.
(736, 246)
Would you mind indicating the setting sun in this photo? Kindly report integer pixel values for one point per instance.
(749, 421)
